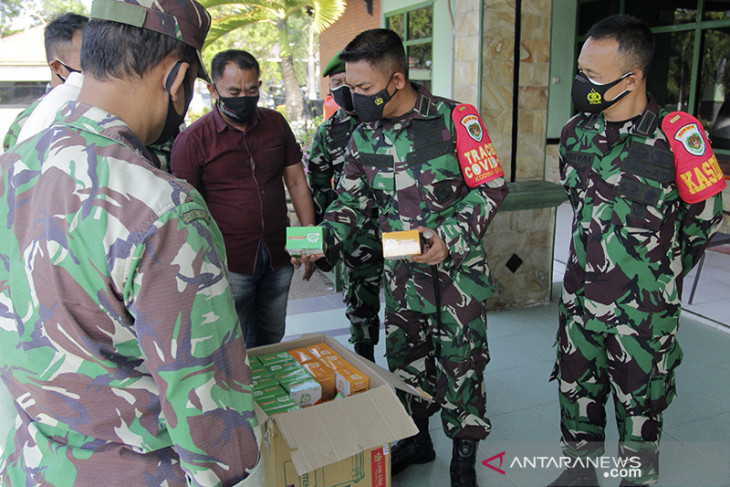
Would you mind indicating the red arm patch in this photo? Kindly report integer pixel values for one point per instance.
(477, 157)
(698, 175)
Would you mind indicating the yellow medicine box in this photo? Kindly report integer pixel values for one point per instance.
(401, 245)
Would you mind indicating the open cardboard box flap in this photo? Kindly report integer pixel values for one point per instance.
(332, 431)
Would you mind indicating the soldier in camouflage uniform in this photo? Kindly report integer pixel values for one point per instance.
(62, 37)
(639, 226)
(118, 333)
(403, 162)
(362, 253)
(11, 136)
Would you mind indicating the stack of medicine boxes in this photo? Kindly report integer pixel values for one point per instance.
(287, 381)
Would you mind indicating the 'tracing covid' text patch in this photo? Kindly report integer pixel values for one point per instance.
(477, 157)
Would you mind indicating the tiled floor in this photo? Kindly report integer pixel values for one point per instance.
(523, 404)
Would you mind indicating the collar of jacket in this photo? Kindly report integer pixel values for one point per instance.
(647, 124)
(89, 118)
(424, 108)
(342, 116)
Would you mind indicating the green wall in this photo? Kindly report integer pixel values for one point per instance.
(562, 65)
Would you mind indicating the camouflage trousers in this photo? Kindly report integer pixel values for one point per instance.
(446, 361)
(362, 255)
(638, 370)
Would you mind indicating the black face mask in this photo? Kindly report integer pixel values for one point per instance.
(589, 96)
(343, 97)
(240, 109)
(174, 120)
(369, 108)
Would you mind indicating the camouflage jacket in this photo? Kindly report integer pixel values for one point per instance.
(327, 157)
(408, 170)
(118, 334)
(11, 137)
(633, 238)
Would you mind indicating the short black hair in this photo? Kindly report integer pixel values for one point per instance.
(381, 48)
(243, 59)
(115, 50)
(635, 40)
(61, 30)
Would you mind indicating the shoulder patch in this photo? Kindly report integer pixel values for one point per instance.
(698, 175)
(477, 157)
(197, 214)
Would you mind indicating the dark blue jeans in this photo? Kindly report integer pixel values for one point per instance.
(261, 300)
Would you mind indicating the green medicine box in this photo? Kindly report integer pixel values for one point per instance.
(304, 240)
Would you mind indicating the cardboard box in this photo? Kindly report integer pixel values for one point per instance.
(400, 245)
(336, 443)
(304, 240)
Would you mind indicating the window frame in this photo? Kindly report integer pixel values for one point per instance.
(408, 43)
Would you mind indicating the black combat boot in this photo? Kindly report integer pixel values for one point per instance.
(416, 449)
(576, 477)
(463, 458)
(365, 350)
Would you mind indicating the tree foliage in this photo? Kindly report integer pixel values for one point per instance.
(232, 15)
(16, 15)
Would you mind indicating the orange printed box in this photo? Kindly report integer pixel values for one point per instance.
(302, 355)
(334, 362)
(400, 245)
(319, 350)
(349, 381)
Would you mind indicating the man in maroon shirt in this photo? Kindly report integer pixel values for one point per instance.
(239, 156)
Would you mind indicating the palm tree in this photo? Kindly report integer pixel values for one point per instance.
(240, 14)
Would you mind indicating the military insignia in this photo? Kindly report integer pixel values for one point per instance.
(379, 101)
(690, 137)
(192, 215)
(473, 127)
(477, 157)
(697, 173)
(594, 97)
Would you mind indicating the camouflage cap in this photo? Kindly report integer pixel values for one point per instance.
(184, 20)
(336, 65)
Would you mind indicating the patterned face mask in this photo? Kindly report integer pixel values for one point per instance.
(369, 108)
(238, 108)
(589, 96)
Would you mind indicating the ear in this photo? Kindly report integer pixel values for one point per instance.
(56, 67)
(213, 92)
(400, 80)
(176, 88)
(633, 81)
